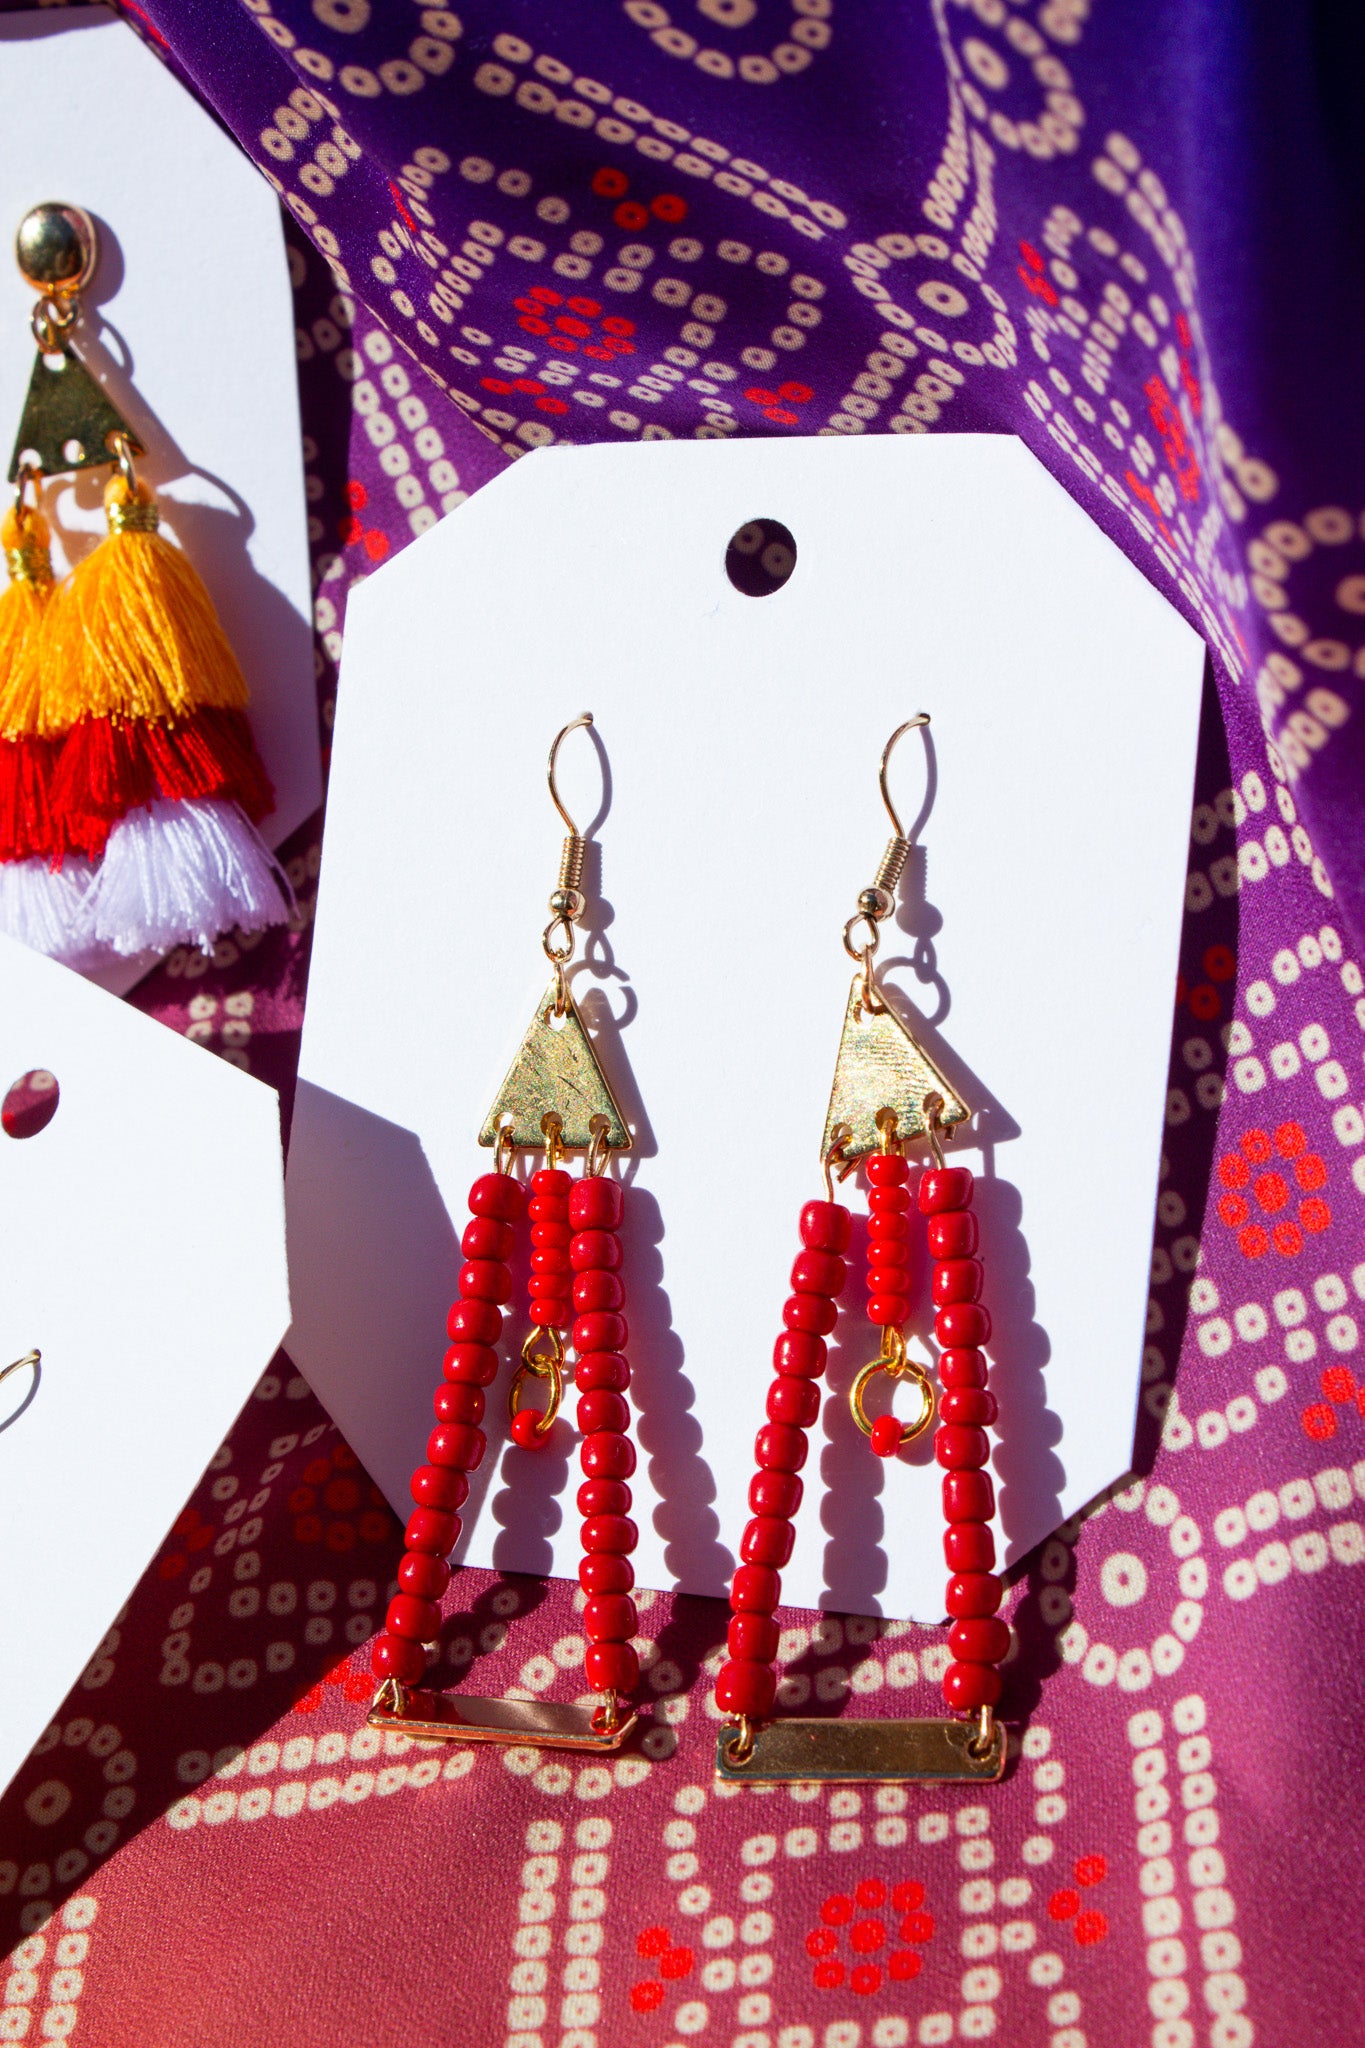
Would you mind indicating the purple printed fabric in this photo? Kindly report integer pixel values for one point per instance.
(1132, 237)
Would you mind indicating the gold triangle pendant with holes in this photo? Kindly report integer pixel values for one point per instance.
(556, 1074)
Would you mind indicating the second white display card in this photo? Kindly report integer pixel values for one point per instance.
(1034, 948)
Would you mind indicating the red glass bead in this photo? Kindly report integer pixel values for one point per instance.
(825, 1227)
(595, 1203)
(486, 1238)
(595, 1251)
(812, 1312)
(601, 1369)
(597, 1290)
(945, 1187)
(498, 1196)
(397, 1657)
(552, 1262)
(436, 1486)
(969, 1547)
(888, 1226)
(984, 1641)
(888, 1310)
(887, 1170)
(960, 1448)
(818, 1273)
(886, 1436)
(418, 1620)
(960, 1366)
(611, 1667)
(955, 1280)
(603, 1497)
(767, 1539)
(953, 1235)
(475, 1364)
(774, 1493)
(969, 1686)
(474, 1322)
(962, 1323)
(614, 1533)
(967, 1404)
(888, 1277)
(968, 1497)
(755, 1589)
(600, 1332)
(434, 1530)
(456, 1445)
(888, 1201)
(552, 1182)
(485, 1280)
(797, 1351)
(609, 1618)
(602, 1409)
(780, 1447)
(745, 1688)
(793, 1400)
(426, 1578)
(752, 1638)
(606, 1572)
(551, 1312)
(606, 1454)
(973, 1593)
(526, 1430)
(550, 1233)
(458, 1403)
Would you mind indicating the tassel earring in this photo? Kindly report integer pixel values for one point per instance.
(41, 881)
(554, 1100)
(887, 1093)
(158, 777)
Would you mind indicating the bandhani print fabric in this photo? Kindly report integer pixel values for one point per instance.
(1131, 236)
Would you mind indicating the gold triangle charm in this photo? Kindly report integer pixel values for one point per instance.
(881, 1066)
(556, 1072)
(69, 422)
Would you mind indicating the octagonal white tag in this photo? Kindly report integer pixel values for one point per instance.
(142, 1253)
(1034, 949)
(189, 321)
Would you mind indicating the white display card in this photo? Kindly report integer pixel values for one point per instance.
(143, 1256)
(1034, 949)
(189, 322)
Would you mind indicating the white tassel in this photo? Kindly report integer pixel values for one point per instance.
(181, 873)
(41, 906)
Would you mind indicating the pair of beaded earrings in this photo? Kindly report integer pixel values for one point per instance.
(130, 785)
(555, 1100)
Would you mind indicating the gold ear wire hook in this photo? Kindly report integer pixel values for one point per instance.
(567, 901)
(920, 718)
(879, 899)
(584, 718)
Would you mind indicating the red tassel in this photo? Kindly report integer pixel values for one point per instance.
(111, 766)
(28, 826)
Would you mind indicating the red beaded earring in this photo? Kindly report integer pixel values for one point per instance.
(886, 1093)
(555, 1099)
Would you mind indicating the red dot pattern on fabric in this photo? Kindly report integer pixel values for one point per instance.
(868, 1936)
(1272, 1192)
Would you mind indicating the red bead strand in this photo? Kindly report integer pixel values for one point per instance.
(888, 1241)
(747, 1683)
(607, 1455)
(977, 1639)
(456, 1445)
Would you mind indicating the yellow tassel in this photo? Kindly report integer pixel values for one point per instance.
(25, 647)
(136, 632)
